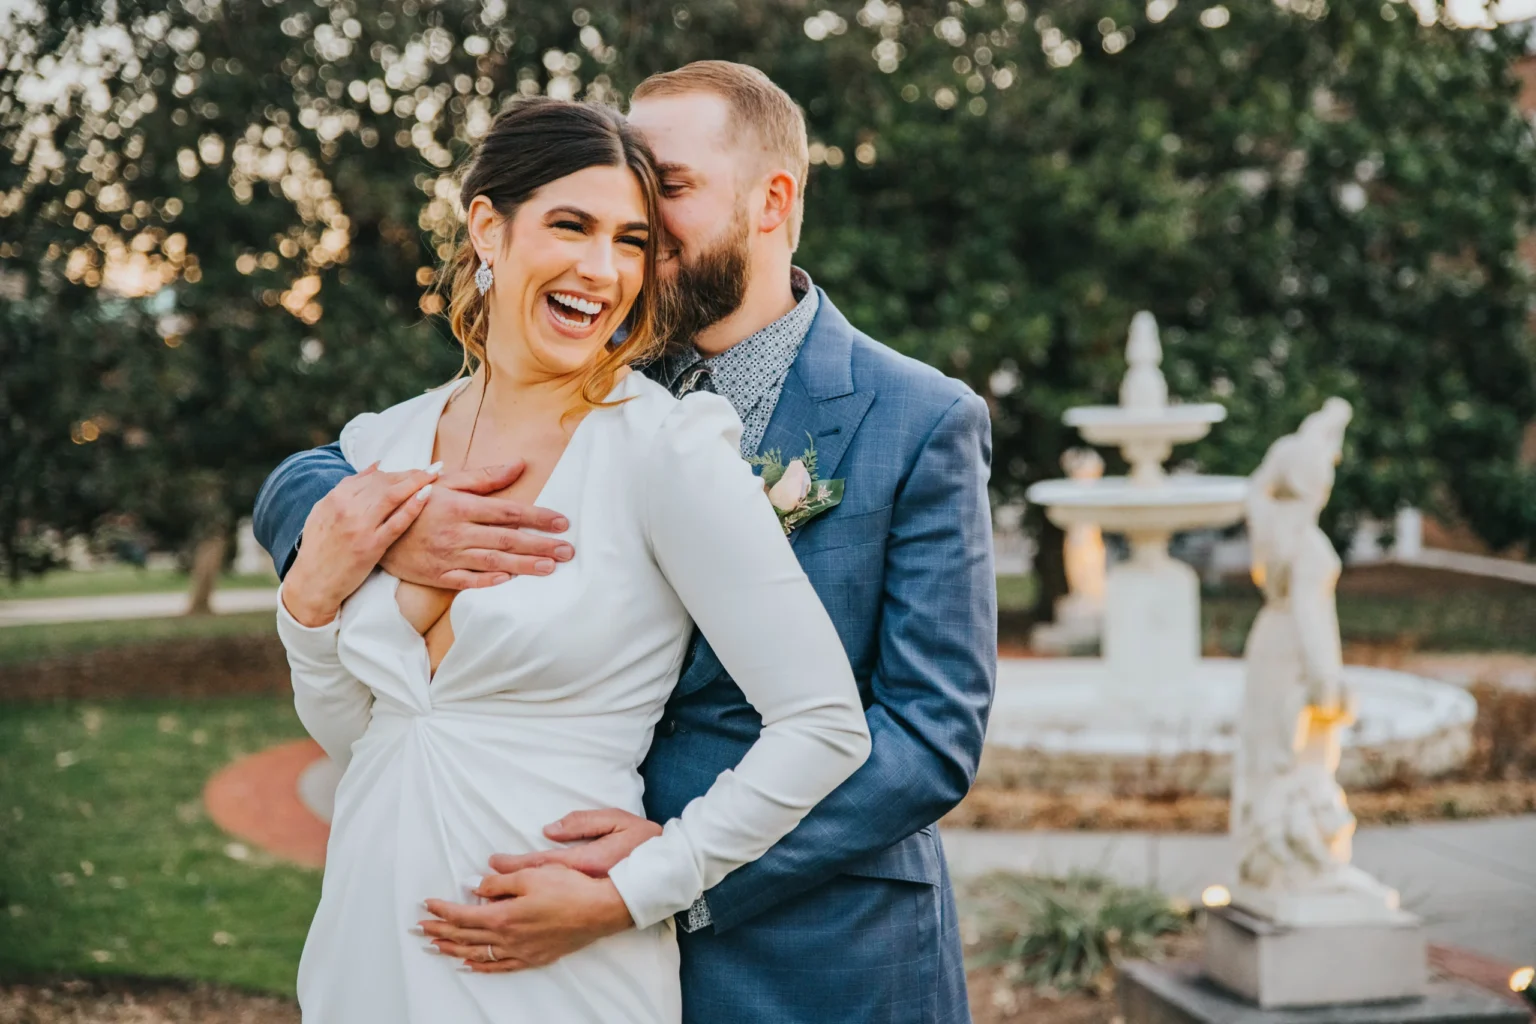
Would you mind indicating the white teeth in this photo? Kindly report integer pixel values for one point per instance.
(586, 306)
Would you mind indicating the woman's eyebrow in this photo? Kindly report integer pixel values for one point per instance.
(582, 215)
(587, 220)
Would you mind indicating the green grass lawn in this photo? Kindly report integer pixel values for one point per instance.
(109, 862)
(27, 643)
(117, 580)
(1465, 621)
(1016, 593)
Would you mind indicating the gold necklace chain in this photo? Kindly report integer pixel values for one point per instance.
(475, 423)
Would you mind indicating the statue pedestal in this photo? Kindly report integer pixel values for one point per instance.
(1345, 896)
(1379, 959)
(1176, 993)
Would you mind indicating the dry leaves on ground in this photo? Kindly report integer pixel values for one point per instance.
(135, 1001)
(1498, 779)
(991, 807)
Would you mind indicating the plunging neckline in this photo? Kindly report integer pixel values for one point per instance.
(538, 500)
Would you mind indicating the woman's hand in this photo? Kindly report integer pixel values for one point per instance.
(606, 837)
(346, 534)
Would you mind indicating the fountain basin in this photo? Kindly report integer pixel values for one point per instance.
(1122, 505)
(1112, 425)
(1063, 725)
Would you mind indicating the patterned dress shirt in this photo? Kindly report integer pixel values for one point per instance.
(750, 374)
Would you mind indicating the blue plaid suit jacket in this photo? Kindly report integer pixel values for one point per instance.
(851, 917)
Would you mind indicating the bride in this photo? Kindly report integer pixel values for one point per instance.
(467, 721)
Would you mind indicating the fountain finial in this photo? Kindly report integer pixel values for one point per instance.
(1144, 387)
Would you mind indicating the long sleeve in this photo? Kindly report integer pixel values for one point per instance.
(292, 489)
(932, 683)
(333, 705)
(717, 541)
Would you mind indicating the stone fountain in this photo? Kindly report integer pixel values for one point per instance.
(1151, 639)
(1151, 715)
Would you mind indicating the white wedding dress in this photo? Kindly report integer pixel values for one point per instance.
(545, 704)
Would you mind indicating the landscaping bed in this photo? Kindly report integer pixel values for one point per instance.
(1499, 779)
(185, 656)
(139, 1001)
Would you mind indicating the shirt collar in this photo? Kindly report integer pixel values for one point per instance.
(776, 341)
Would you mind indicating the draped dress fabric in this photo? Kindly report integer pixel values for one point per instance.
(545, 703)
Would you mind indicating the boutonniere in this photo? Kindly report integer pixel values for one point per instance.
(793, 490)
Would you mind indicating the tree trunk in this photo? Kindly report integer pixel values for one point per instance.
(207, 563)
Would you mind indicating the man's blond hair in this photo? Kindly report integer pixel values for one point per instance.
(754, 102)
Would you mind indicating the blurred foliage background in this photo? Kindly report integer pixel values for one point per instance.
(221, 218)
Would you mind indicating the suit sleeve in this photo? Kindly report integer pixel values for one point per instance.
(284, 501)
(932, 683)
(716, 539)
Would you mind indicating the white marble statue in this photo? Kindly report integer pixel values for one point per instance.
(1290, 824)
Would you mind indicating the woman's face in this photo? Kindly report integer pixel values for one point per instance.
(569, 270)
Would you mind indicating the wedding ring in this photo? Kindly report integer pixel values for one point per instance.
(490, 954)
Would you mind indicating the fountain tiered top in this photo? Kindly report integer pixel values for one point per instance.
(1145, 427)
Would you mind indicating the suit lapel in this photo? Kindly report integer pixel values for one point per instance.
(799, 421)
(818, 404)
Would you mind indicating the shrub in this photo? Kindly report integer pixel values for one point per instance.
(1066, 934)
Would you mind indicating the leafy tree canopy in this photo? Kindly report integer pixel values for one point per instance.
(225, 215)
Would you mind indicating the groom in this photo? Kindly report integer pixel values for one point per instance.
(850, 917)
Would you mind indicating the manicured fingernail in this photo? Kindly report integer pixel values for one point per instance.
(474, 882)
(465, 970)
(564, 552)
(544, 566)
(417, 929)
(435, 468)
(561, 523)
(424, 493)
(426, 908)
(430, 948)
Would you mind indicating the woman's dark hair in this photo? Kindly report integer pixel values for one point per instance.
(535, 141)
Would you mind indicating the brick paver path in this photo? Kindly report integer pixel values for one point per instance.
(257, 799)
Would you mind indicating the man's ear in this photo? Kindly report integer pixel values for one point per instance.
(780, 192)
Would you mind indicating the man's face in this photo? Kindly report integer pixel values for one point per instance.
(704, 197)
(701, 170)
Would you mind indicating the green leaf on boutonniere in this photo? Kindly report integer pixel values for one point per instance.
(824, 495)
(820, 494)
(772, 465)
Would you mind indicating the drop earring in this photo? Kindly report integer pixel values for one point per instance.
(483, 276)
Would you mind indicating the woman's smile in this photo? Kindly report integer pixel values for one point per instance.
(574, 314)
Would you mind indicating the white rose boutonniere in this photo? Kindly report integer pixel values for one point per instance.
(793, 490)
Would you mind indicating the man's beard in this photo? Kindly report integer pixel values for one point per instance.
(708, 289)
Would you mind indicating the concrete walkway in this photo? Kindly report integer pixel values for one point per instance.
(130, 606)
(1473, 882)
